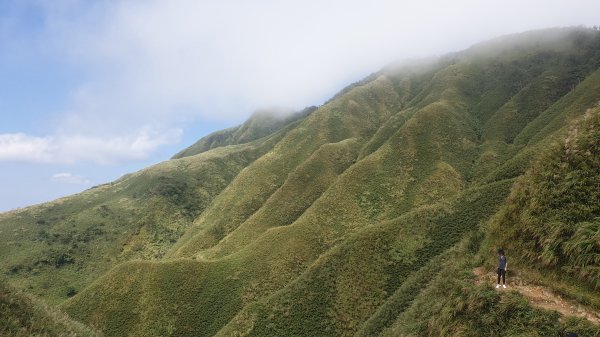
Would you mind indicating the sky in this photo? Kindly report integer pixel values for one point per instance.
(91, 90)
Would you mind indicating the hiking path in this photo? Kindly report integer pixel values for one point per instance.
(539, 296)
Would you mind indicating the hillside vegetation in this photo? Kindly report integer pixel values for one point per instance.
(553, 214)
(362, 217)
(58, 248)
(260, 124)
(25, 316)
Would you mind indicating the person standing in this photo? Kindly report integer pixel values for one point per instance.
(502, 268)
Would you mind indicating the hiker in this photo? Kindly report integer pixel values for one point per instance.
(502, 267)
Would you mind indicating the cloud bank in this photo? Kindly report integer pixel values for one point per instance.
(70, 149)
(164, 64)
(70, 178)
(88, 82)
(165, 61)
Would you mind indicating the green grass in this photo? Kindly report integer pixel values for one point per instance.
(553, 214)
(58, 248)
(451, 305)
(448, 303)
(23, 315)
(365, 109)
(330, 300)
(347, 219)
(260, 124)
(302, 187)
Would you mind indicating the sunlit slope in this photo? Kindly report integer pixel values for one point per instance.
(260, 124)
(355, 115)
(254, 271)
(337, 227)
(345, 286)
(444, 137)
(349, 218)
(58, 248)
(23, 315)
(548, 225)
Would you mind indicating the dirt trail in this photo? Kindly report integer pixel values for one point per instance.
(540, 296)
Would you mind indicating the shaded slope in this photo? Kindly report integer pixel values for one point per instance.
(304, 185)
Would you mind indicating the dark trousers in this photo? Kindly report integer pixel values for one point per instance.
(502, 272)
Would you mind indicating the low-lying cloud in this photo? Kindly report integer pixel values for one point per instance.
(166, 63)
(69, 149)
(171, 60)
(70, 178)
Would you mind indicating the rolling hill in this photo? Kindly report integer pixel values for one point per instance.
(361, 217)
(24, 315)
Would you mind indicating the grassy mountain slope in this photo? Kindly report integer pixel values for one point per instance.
(265, 267)
(552, 216)
(260, 124)
(350, 220)
(58, 248)
(364, 108)
(330, 300)
(24, 316)
(559, 241)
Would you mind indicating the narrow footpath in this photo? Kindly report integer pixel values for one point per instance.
(540, 296)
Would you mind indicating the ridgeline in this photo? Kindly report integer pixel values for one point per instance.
(365, 216)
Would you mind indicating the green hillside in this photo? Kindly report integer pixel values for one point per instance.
(260, 124)
(58, 248)
(24, 316)
(553, 213)
(363, 217)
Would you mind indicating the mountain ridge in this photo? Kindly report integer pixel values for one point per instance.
(262, 123)
(339, 222)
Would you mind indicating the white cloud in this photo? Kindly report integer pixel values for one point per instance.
(165, 61)
(69, 178)
(21, 147)
(70, 149)
(128, 73)
(161, 63)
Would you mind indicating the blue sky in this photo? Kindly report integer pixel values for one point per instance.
(91, 90)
